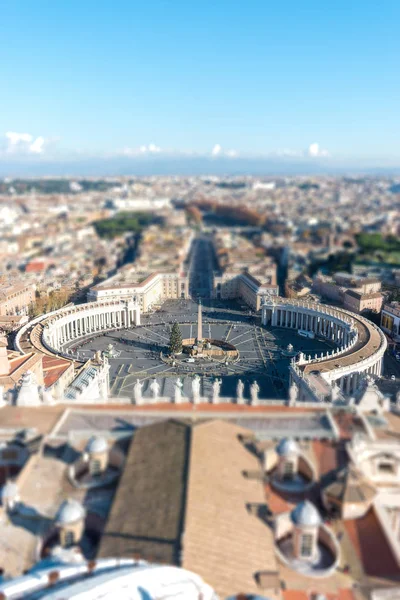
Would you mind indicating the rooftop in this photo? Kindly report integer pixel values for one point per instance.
(154, 485)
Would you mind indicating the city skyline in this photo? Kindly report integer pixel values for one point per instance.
(311, 88)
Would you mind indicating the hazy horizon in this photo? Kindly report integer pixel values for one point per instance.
(301, 87)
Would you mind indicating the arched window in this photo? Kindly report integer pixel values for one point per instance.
(69, 538)
(95, 467)
(306, 545)
(288, 470)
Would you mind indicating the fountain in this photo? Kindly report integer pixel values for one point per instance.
(111, 352)
(200, 347)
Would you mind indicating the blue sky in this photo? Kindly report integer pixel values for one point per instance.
(249, 78)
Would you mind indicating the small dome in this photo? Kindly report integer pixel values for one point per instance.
(306, 515)
(9, 491)
(70, 512)
(96, 444)
(287, 446)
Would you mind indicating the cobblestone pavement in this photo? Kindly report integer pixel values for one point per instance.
(141, 351)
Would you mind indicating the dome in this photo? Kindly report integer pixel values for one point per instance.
(69, 512)
(287, 446)
(116, 579)
(306, 515)
(96, 444)
(9, 491)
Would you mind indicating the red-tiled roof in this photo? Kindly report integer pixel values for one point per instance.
(276, 502)
(371, 546)
(53, 368)
(326, 455)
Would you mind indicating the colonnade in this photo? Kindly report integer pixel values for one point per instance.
(85, 319)
(324, 325)
(349, 332)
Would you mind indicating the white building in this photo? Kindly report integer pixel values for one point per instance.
(148, 291)
(390, 319)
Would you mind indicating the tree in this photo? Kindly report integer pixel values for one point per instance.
(175, 340)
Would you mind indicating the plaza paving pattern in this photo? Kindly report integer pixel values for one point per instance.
(140, 351)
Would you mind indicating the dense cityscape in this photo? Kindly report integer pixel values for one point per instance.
(190, 364)
(200, 300)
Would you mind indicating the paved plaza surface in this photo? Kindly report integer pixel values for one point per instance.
(141, 352)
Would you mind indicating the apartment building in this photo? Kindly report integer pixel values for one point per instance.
(16, 299)
(149, 290)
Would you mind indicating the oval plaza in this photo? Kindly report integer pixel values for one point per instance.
(356, 346)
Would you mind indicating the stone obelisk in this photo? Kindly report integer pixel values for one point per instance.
(199, 323)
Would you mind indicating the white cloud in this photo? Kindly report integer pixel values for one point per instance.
(232, 153)
(153, 148)
(150, 149)
(216, 150)
(315, 151)
(37, 146)
(24, 143)
(144, 149)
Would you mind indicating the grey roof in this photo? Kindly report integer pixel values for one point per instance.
(85, 377)
(146, 518)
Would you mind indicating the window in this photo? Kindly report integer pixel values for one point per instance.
(386, 467)
(306, 545)
(95, 467)
(69, 538)
(288, 470)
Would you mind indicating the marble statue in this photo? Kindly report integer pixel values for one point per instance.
(301, 358)
(137, 391)
(254, 389)
(178, 385)
(155, 389)
(196, 389)
(239, 392)
(293, 394)
(335, 392)
(216, 386)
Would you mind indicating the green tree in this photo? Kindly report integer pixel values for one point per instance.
(175, 340)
